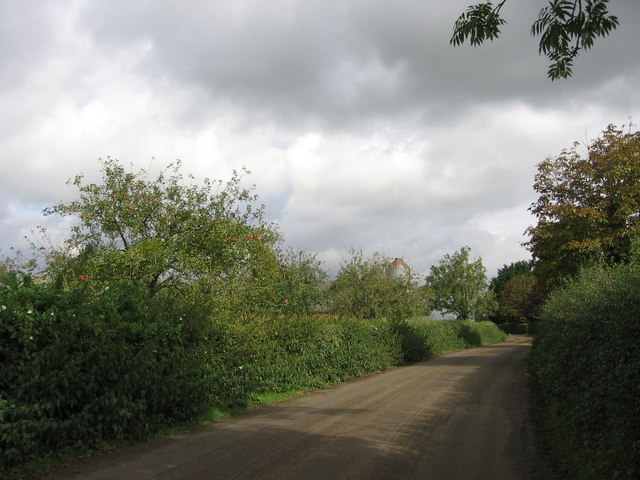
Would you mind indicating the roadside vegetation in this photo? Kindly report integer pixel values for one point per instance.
(171, 302)
(586, 359)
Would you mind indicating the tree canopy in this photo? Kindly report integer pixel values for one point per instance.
(588, 208)
(161, 232)
(365, 288)
(516, 291)
(458, 285)
(507, 272)
(565, 28)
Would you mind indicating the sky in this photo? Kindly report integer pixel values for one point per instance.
(362, 126)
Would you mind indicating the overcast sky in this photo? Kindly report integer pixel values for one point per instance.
(362, 126)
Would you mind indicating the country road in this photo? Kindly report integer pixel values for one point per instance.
(458, 416)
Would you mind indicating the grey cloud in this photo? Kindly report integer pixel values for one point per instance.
(342, 63)
(228, 81)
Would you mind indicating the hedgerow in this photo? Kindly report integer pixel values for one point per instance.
(81, 369)
(170, 300)
(586, 359)
(77, 371)
(425, 339)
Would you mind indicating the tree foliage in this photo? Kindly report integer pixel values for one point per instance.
(458, 286)
(565, 28)
(284, 283)
(161, 232)
(519, 301)
(299, 282)
(507, 272)
(516, 292)
(588, 208)
(364, 288)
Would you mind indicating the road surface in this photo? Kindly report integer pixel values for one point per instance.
(458, 416)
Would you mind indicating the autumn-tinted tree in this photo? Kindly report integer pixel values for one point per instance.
(160, 232)
(565, 28)
(588, 208)
(458, 286)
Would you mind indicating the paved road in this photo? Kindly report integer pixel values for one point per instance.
(459, 416)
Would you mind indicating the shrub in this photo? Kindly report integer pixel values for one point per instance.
(425, 339)
(364, 289)
(519, 328)
(305, 352)
(77, 371)
(587, 361)
(80, 369)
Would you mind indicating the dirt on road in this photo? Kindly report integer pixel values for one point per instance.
(458, 416)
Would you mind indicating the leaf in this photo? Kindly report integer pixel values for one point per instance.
(479, 23)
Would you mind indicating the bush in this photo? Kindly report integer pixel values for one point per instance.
(425, 339)
(285, 354)
(78, 371)
(364, 289)
(587, 361)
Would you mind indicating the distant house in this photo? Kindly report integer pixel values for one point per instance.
(398, 269)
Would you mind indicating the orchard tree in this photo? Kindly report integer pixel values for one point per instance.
(160, 232)
(299, 279)
(364, 288)
(565, 28)
(458, 286)
(588, 208)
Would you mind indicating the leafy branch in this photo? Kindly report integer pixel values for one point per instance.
(565, 28)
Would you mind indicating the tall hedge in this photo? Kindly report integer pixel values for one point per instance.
(77, 370)
(587, 361)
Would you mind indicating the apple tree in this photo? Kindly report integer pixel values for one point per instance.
(160, 232)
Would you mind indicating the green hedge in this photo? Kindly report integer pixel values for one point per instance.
(587, 361)
(424, 339)
(282, 354)
(78, 370)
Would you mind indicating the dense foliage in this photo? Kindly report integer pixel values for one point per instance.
(170, 300)
(507, 272)
(161, 232)
(565, 27)
(79, 369)
(458, 285)
(518, 296)
(365, 289)
(587, 361)
(424, 339)
(588, 208)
